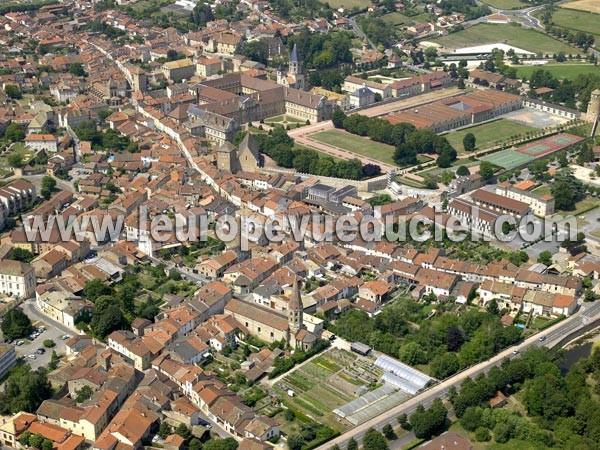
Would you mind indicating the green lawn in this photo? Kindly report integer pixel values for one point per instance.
(544, 189)
(356, 144)
(506, 4)
(583, 206)
(349, 4)
(18, 148)
(485, 33)
(399, 19)
(577, 20)
(487, 134)
(561, 71)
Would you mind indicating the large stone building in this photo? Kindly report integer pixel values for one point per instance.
(245, 158)
(17, 278)
(541, 205)
(455, 112)
(227, 102)
(179, 70)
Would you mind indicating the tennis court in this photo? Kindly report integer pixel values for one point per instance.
(549, 145)
(508, 159)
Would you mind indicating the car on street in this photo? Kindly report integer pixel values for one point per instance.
(205, 424)
(542, 339)
(516, 352)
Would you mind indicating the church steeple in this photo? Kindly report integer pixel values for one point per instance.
(295, 308)
(295, 65)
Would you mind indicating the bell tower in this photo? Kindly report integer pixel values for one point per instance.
(295, 308)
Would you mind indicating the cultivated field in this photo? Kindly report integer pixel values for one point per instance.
(577, 20)
(592, 6)
(485, 33)
(561, 71)
(328, 382)
(487, 134)
(356, 144)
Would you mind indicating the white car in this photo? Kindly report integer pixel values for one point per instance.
(31, 356)
(65, 337)
(19, 343)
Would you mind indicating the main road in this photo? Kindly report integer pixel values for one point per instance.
(587, 314)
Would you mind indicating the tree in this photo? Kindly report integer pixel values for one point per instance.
(289, 415)
(24, 440)
(49, 343)
(412, 354)
(83, 394)
(388, 432)
(24, 390)
(183, 431)
(486, 170)
(460, 83)
(47, 444)
(164, 429)
(566, 189)
(107, 317)
(48, 185)
(338, 118)
(195, 444)
(36, 440)
(201, 14)
(16, 324)
(20, 254)
(13, 92)
(374, 440)
(14, 132)
(444, 365)
(545, 258)
(295, 441)
(482, 434)
(427, 422)
(471, 419)
(77, 70)
(469, 142)
(221, 444)
(463, 171)
(352, 444)
(96, 288)
(502, 432)
(15, 160)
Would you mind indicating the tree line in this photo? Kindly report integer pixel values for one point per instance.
(280, 147)
(407, 140)
(447, 343)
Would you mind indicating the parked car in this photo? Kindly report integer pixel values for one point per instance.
(40, 351)
(19, 343)
(32, 357)
(65, 337)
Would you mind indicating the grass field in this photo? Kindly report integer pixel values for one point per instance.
(349, 4)
(577, 20)
(561, 71)
(399, 19)
(526, 39)
(583, 206)
(505, 4)
(487, 134)
(583, 5)
(357, 144)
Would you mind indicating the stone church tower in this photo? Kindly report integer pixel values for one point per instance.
(295, 308)
(294, 76)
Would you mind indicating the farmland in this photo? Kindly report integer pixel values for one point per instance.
(326, 383)
(583, 5)
(399, 19)
(577, 20)
(526, 39)
(505, 4)
(349, 4)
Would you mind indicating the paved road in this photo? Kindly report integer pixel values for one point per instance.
(554, 334)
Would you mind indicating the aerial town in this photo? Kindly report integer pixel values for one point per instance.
(276, 224)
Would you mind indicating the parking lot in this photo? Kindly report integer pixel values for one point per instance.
(53, 331)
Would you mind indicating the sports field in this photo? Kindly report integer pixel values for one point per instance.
(487, 134)
(577, 20)
(560, 71)
(485, 33)
(592, 6)
(552, 144)
(356, 144)
(508, 159)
